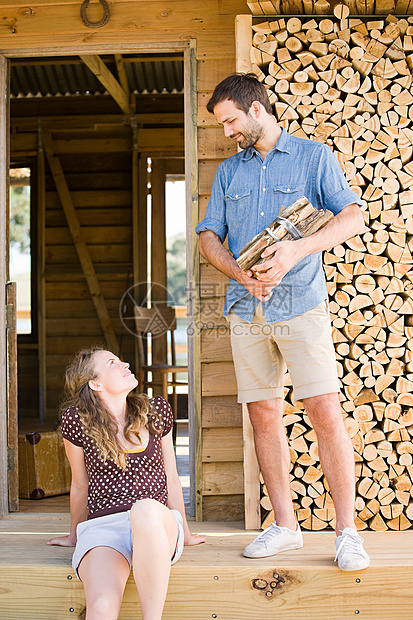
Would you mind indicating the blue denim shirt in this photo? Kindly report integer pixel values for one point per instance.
(247, 195)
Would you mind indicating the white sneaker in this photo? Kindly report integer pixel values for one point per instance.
(350, 551)
(273, 540)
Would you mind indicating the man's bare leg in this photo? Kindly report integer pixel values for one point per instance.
(273, 455)
(336, 454)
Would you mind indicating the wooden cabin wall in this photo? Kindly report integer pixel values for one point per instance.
(94, 147)
(97, 169)
(38, 27)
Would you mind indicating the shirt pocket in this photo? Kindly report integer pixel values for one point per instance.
(238, 205)
(285, 195)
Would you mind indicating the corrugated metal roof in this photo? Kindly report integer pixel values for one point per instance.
(53, 77)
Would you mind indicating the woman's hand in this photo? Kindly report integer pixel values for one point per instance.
(194, 539)
(63, 541)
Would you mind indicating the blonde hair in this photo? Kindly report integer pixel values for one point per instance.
(97, 420)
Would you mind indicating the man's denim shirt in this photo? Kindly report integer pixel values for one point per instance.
(247, 195)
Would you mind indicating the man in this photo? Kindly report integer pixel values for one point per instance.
(280, 318)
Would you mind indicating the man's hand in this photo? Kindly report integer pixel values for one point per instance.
(257, 289)
(285, 255)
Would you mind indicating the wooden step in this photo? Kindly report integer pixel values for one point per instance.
(214, 580)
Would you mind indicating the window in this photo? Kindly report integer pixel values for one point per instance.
(21, 245)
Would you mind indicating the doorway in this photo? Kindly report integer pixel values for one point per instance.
(114, 154)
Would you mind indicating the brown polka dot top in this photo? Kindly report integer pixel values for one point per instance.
(111, 489)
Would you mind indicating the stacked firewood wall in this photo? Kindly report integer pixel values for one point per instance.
(325, 7)
(348, 83)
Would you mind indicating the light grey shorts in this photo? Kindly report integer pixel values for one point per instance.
(115, 531)
(262, 351)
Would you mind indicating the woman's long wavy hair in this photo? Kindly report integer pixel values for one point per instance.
(96, 418)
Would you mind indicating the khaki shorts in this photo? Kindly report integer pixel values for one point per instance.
(263, 351)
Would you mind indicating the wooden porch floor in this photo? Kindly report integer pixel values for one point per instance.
(214, 580)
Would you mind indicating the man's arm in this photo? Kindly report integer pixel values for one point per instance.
(343, 226)
(212, 249)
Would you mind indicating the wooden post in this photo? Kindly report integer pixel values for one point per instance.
(251, 475)
(41, 293)
(142, 224)
(135, 197)
(12, 410)
(158, 257)
(243, 43)
(193, 279)
(4, 216)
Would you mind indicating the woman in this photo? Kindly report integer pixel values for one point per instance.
(126, 500)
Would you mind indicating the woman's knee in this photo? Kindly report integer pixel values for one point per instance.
(103, 605)
(146, 512)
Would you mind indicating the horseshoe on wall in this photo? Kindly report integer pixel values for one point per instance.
(100, 23)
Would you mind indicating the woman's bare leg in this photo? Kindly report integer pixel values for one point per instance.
(104, 573)
(154, 537)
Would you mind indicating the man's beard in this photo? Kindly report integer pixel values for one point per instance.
(251, 134)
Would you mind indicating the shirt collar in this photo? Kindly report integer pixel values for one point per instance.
(283, 145)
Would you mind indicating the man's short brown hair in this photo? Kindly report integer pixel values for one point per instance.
(242, 89)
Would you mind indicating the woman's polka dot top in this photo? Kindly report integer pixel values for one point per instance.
(111, 489)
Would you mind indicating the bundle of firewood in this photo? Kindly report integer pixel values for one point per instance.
(348, 83)
(298, 220)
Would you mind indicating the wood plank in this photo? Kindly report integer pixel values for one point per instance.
(57, 235)
(205, 118)
(216, 345)
(87, 326)
(210, 73)
(213, 282)
(12, 406)
(67, 254)
(212, 143)
(221, 411)
(222, 444)
(214, 578)
(243, 43)
(81, 247)
(207, 170)
(182, 17)
(150, 141)
(4, 269)
(158, 259)
(218, 378)
(106, 77)
(222, 507)
(79, 290)
(252, 488)
(41, 273)
(110, 216)
(92, 199)
(222, 479)
(212, 312)
(192, 264)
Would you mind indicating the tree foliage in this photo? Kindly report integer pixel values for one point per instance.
(20, 218)
(176, 269)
